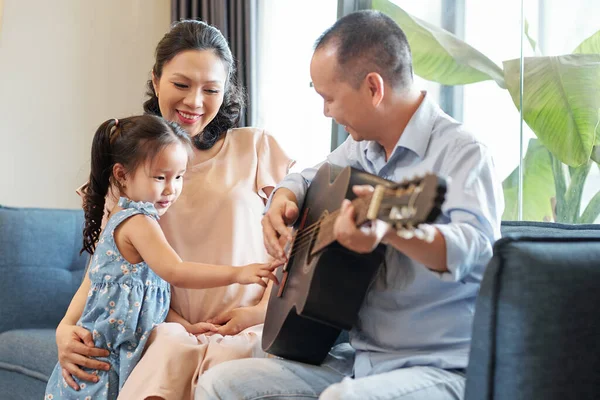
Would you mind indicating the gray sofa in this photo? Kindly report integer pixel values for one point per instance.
(536, 329)
(40, 270)
(536, 333)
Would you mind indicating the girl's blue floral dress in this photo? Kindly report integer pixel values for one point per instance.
(124, 304)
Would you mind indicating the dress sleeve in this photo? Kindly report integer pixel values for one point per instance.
(273, 164)
(110, 201)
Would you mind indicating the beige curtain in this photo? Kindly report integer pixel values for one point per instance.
(1, 6)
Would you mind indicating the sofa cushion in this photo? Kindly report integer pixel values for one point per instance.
(40, 265)
(31, 352)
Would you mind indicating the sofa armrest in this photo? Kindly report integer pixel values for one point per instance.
(536, 332)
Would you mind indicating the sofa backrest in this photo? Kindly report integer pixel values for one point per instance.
(548, 229)
(536, 332)
(40, 265)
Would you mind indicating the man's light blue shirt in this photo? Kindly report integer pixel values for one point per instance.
(412, 315)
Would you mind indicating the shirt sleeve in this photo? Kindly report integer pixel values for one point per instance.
(473, 209)
(273, 163)
(298, 182)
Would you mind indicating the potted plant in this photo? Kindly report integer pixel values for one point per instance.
(561, 105)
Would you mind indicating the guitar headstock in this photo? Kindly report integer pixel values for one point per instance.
(409, 203)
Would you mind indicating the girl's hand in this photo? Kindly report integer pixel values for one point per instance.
(202, 327)
(75, 347)
(254, 273)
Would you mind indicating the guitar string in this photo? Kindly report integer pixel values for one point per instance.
(310, 228)
(303, 239)
(328, 220)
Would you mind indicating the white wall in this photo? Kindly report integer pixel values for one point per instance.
(65, 67)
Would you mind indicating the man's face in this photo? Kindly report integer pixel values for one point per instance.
(350, 107)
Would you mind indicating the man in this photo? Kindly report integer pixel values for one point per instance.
(413, 333)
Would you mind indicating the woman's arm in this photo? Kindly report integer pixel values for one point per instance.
(173, 316)
(238, 319)
(195, 329)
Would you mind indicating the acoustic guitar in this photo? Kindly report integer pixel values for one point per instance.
(323, 285)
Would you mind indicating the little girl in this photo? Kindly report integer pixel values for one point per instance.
(126, 291)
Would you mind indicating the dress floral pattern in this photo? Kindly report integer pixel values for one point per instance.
(125, 302)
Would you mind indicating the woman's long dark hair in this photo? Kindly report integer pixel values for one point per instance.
(129, 142)
(197, 35)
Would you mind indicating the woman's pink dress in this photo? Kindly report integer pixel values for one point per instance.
(216, 220)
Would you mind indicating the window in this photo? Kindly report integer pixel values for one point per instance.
(561, 98)
(288, 107)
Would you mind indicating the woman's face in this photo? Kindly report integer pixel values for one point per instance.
(190, 90)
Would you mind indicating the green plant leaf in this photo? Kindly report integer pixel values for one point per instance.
(596, 149)
(596, 153)
(538, 186)
(560, 189)
(560, 102)
(438, 55)
(574, 193)
(590, 45)
(532, 42)
(591, 212)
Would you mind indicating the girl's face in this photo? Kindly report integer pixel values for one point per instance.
(190, 90)
(158, 181)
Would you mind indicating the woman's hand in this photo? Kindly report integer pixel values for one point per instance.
(75, 347)
(238, 319)
(202, 327)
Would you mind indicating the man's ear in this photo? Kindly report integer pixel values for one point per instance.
(119, 174)
(376, 88)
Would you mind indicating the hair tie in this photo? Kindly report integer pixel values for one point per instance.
(112, 135)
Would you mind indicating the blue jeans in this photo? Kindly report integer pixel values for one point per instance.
(253, 379)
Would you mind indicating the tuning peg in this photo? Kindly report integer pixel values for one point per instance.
(425, 232)
(419, 234)
(405, 233)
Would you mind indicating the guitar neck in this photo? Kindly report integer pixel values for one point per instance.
(325, 235)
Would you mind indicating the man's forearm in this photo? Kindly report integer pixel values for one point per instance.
(432, 255)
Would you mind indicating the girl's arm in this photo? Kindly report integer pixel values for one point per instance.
(145, 235)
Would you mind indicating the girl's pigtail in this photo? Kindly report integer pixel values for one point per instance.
(95, 191)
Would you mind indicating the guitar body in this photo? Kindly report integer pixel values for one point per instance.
(323, 292)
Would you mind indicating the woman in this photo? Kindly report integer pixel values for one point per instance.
(216, 220)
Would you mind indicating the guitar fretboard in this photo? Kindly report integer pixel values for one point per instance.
(325, 234)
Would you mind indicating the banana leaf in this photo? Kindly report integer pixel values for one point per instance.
(538, 186)
(560, 102)
(590, 45)
(438, 55)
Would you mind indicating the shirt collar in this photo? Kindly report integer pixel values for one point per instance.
(417, 133)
